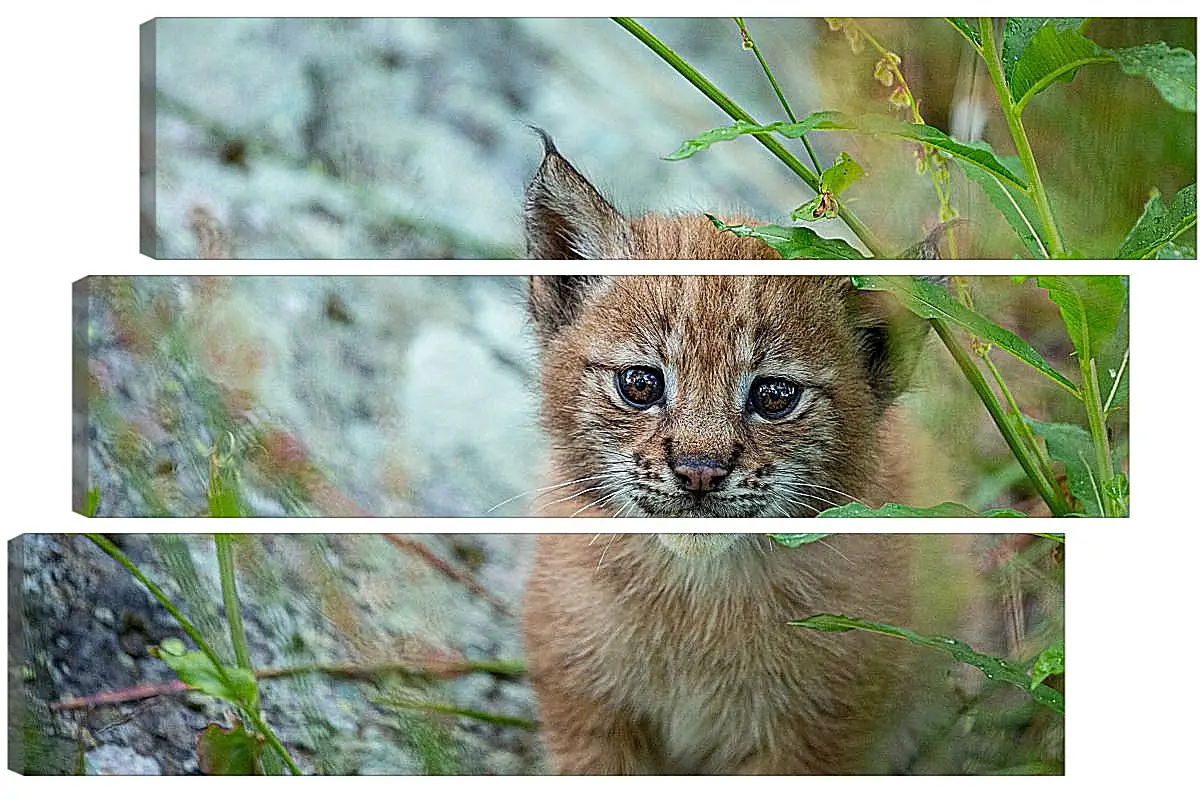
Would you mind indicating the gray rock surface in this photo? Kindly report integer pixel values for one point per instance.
(408, 138)
(81, 625)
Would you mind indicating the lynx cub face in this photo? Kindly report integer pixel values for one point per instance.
(733, 396)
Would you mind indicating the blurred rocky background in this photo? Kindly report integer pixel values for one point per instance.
(379, 627)
(407, 138)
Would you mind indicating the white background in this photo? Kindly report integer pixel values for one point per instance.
(70, 190)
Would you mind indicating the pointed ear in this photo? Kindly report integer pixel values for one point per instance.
(555, 301)
(566, 218)
(890, 339)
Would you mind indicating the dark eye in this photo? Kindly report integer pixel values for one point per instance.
(641, 387)
(773, 398)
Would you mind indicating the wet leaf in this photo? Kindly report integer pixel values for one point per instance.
(1051, 661)
(996, 669)
(1160, 223)
(1172, 70)
(860, 511)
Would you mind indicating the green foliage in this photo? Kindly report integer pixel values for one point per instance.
(1160, 224)
(996, 669)
(860, 511)
(1051, 661)
(797, 539)
(224, 682)
(929, 301)
(792, 242)
(1029, 56)
(870, 124)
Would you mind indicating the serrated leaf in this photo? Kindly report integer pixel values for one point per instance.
(860, 511)
(237, 685)
(930, 301)
(1051, 661)
(1160, 223)
(996, 669)
(870, 124)
(228, 751)
(797, 539)
(792, 242)
(1019, 31)
(1172, 70)
(1052, 55)
(1016, 207)
(1072, 446)
(841, 174)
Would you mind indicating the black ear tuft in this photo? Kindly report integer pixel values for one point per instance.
(565, 217)
(555, 301)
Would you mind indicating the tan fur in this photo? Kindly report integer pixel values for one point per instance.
(670, 653)
(649, 660)
(711, 336)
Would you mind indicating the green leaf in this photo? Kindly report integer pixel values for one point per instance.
(841, 174)
(994, 668)
(967, 30)
(1051, 661)
(1072, 446)
(1112, 365)
(792, 242)
(820, 120)
(1052, 55)
(1019, 31)
(930, 301)
(1172, 70)
(229, 751)
(1090, 306)
(797, 539)
(860, 511)
(236, 685)
(871, 124)
(1159, 224)
(1016, 207)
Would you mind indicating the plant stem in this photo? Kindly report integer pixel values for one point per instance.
(1092, 401)
(735, 112)
(1037, 190)
(105, 544)
(1018, 418)
(1049, 491)
(233, 609)
(748, 41)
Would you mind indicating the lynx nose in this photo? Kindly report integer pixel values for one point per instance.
(700, 474)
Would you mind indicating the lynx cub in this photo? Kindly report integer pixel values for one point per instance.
(733, 396)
